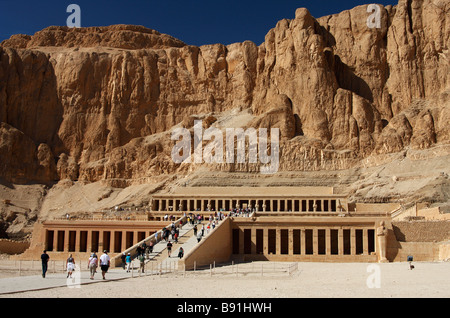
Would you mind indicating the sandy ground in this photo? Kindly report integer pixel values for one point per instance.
(318, 280)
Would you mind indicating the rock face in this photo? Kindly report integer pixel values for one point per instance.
(99, 103)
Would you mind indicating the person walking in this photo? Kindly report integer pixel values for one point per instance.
(70, 264)
(105, 262)
(44, 258)
(92, 265)
(181, 253)
(122, 258)
(128, 261)
(150, 247)
(169, 248)
(142, 263)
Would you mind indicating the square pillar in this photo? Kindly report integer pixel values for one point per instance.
(315, 241)
(328, 241)
(55, 240)
(291, 242)
(100, 241)
(265, 241)
(341, 241)
(77, 240)
(302, 241)
(278, 242)
(124, 240)
(353, 241)
(66, 240)
(89, 241)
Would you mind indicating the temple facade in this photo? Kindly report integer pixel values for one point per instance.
(281, 223)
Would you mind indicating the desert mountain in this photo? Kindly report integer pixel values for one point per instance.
(97, 105)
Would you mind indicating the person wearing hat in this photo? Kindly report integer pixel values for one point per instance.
(128, 261)
(105, 262)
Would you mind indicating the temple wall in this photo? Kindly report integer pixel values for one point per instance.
(216, 246)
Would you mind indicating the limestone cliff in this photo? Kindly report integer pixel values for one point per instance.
(94, 104)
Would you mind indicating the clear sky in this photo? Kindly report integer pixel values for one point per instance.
(195, 22)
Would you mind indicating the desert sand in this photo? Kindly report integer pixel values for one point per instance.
(310, 280)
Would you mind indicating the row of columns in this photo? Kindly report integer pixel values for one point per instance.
(334, 241)
(260, 205)
(79, 240)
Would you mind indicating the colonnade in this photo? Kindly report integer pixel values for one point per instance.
(259, 205)
(311, 240)
(79, 240)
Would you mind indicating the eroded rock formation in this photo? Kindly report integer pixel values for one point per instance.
(99, 103)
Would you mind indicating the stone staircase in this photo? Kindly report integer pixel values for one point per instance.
(159, 258)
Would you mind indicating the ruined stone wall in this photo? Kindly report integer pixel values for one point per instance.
(422, 231)
(13, 247)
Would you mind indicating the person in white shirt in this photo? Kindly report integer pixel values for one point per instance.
(104, 263)
(92, 265)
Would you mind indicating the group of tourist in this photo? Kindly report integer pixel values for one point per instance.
(105, 263)
(144, 250)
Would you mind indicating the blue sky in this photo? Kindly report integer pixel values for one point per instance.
(194, 22)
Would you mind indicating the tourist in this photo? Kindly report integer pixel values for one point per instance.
(105, 262)
(150, 247)
(195, 230)
(139, 251)
(169, 248)
(180, 253)
(128, 261)
(199, 237)
(142, 263)
(44, 258)
(70, 266)
(92, 265)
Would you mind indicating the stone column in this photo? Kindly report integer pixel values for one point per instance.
(278, 242)
(112, 241)
(315, 241)
(77, 240)
(265, 241)
(365, 242)
(89, 241)
(55, 240)
(302, 241)
(291, 242)
(341, 242)
(66, 240)
(328, 241)
(353, 241)
(100, 241)
(124, 240)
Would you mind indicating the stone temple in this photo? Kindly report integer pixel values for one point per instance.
(253, 224)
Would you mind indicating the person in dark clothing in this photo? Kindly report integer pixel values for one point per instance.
(169, 248)
(44, 258)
